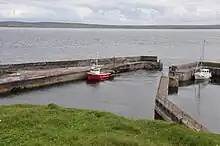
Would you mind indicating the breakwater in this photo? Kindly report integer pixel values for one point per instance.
(181, 75)
(185, 72)
(169, 111)
(17, 77)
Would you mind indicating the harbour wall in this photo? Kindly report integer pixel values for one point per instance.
(17, 86)
(169, 111)
(185, 72)
(125, 65)
(4, 68)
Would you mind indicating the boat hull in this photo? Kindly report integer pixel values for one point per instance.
(98, 77)
(199, 76)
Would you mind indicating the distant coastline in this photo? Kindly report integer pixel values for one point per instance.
(81, 25)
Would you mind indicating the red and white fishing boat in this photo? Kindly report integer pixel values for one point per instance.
(96, 74)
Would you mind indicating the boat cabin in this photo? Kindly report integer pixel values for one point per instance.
(94, 69)
(204, 70)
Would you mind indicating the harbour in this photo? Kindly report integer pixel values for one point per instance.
(18, 77)
(147, 47)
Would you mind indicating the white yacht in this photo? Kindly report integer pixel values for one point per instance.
(202, 73)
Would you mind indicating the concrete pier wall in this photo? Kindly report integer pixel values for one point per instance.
(185, 75)
(169, 111)
(185, 71)
(72, 75)
(215, 72)
(186, 65)
(211, 64)
(40, 82)
(73, 63)
(173, 84)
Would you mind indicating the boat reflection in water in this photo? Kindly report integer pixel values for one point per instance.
(198, 86)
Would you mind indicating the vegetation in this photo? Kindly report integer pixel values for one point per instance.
(53, 125)
(81, 25)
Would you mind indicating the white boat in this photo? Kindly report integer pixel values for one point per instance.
(202, 73)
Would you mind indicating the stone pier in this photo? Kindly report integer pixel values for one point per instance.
(169, 111)
(185, 72)
(17, 77)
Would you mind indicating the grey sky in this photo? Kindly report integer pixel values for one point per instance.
(113, 11)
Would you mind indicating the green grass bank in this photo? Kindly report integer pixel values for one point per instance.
(53, 125)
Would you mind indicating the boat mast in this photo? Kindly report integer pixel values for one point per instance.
(97, 59)
(203, 50)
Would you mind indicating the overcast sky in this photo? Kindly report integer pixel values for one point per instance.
(113, 11)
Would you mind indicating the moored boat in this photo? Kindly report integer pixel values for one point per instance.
(95, 74)
(202, 73)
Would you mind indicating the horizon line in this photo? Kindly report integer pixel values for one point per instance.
(107, 24)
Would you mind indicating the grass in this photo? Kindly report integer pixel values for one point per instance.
(53, 125)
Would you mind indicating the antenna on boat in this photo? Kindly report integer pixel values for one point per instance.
(201, 57)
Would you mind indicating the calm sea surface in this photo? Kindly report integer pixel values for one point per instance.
(131, 94)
